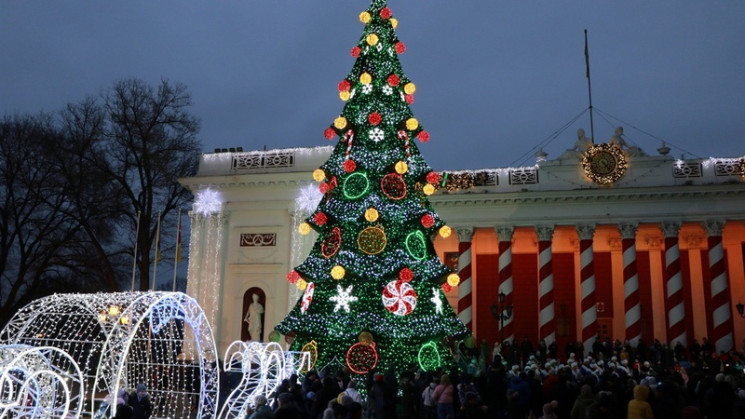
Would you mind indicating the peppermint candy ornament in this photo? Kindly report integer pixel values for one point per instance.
(399, 297)
(307, 297)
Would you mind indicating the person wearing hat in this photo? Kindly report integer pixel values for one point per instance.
(140, 403)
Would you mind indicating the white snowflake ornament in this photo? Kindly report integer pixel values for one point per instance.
(376, 134)
(343, 298)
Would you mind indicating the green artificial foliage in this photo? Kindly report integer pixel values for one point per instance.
(375, 165)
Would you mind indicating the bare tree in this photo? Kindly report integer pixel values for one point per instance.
(151, 143)
(35, 224)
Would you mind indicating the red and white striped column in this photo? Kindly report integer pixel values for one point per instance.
(631, 302)
(674, 301)
(546, 314)
(504, 235)
(720, 307)
(587, 286)
(465, 288)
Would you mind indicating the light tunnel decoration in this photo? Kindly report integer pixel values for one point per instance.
(39, 382)
(118, 340)
(263, 367)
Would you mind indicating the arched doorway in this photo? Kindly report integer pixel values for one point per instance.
(247, 302)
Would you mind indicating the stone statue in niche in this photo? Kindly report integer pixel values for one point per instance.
(253, 318)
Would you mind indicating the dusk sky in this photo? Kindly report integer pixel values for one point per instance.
(495, 78)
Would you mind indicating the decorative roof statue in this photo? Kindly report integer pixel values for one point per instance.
(580, 147)
(631, 150)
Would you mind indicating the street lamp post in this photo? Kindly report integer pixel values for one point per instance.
(501, 313)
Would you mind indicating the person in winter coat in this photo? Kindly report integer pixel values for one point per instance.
(429, 406)
(585, 399)
(262, 411)
(443, 395)
(639, 407)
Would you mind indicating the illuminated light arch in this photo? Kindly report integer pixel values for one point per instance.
(161, 339)
(263, 367)
(39, 382)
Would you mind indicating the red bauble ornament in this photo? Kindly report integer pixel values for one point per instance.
(433, 178)
(323, 187)
(320, 218)
(356, 52)
(428, 220)
(446, 287)
(400, 47)
(329, 133)
(393, 186)
(375, 118)
(423, 136)
(293, 277)
(344, 86)
(331, 243)
(349, 166)
(385, 13)
(406, 275)
(399, 298)
(409, 99)
(362, 357)
(393, 80)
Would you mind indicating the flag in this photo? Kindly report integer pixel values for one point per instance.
(178, 241)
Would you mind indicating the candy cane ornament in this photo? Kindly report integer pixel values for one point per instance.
(402, 135)
(349, 138)
(307, 297)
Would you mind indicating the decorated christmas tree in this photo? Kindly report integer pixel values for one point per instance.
(374, 288)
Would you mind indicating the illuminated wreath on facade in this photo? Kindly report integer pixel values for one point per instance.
(604, 163)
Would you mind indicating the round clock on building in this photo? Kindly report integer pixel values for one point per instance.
(604, 164)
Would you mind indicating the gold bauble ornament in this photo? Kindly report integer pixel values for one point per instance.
(371, 215)
(412, 124)
(319, 175)
(401, 167)
(365, 78)
(301, 284)
(428, 189)
(445, 232)
(453, 280)
(365, 337)
(344, 95)
(303, 228)
(338, 272)
(372, 39)
(340, 122)
(394, 22)
(409, 88)
(365, 17)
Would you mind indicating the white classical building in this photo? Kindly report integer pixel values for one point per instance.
(583, 246)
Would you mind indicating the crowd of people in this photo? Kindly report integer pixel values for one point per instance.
(613, 380)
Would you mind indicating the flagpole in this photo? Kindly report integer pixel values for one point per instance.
(589, 87)
(157, 250)
(134, 262)
(177, 255)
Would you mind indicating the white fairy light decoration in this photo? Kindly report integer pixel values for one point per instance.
(208, 202)
(39, 382)
(308, 199)
(263, 367)
(122, 339)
